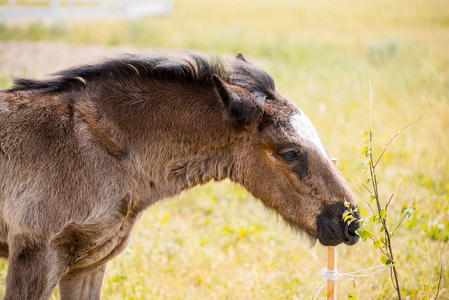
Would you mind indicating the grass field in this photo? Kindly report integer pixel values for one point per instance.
(216, 241)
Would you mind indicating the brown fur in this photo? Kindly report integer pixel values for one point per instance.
(83, 154)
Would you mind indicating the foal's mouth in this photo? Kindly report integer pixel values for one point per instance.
(332, 230)
(331, 234)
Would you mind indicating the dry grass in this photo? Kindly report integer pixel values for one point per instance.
(215, 242)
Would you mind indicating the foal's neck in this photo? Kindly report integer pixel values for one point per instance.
(176, 137)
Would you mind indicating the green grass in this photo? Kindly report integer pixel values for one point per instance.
(214, 242)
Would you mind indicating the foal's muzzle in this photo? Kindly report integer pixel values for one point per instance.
(332, 230)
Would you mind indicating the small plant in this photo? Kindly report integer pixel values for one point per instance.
(380, 220)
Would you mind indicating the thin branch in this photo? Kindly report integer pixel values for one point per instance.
(349, 179)
(395, 189)
(390, 250)
(370, 105)
(373, 238)
(391, 278)
(355, 287)
(385, 253)
(358, 190)
(441, 276)
(366, 188)
(369, 205)
(394, 136)
(399, 223)
(366, 201)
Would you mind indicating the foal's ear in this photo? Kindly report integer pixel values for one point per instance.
(239, 56)
(238, 109)
(223, 90)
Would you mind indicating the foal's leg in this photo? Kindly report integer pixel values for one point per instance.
(33, 270)
(86, 285)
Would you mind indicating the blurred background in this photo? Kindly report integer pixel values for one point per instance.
(216, 241)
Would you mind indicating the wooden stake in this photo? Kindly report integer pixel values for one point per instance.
(331, 265)
(332, 262)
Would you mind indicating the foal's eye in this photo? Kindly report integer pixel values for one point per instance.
(289, 156)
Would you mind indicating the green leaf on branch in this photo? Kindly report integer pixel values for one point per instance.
(365, 133)
(385, 260)
(366, 151)
(363, 223)
(377, 243)
(375, 219)
(409, 211)
(365, 164)
(363, 233)
(383, 213)
(348, 217)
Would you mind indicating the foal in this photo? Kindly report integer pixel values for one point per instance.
(83, 154)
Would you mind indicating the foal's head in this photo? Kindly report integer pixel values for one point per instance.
(281, 160)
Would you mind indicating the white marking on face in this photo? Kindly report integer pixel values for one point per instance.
(305, 130)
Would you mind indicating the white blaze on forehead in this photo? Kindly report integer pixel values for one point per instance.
(306, 131)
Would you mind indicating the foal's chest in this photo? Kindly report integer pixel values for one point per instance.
(95, 244)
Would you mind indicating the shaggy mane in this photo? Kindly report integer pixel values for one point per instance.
(194, 69)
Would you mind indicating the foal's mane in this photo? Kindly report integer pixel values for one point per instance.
(194, 69)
